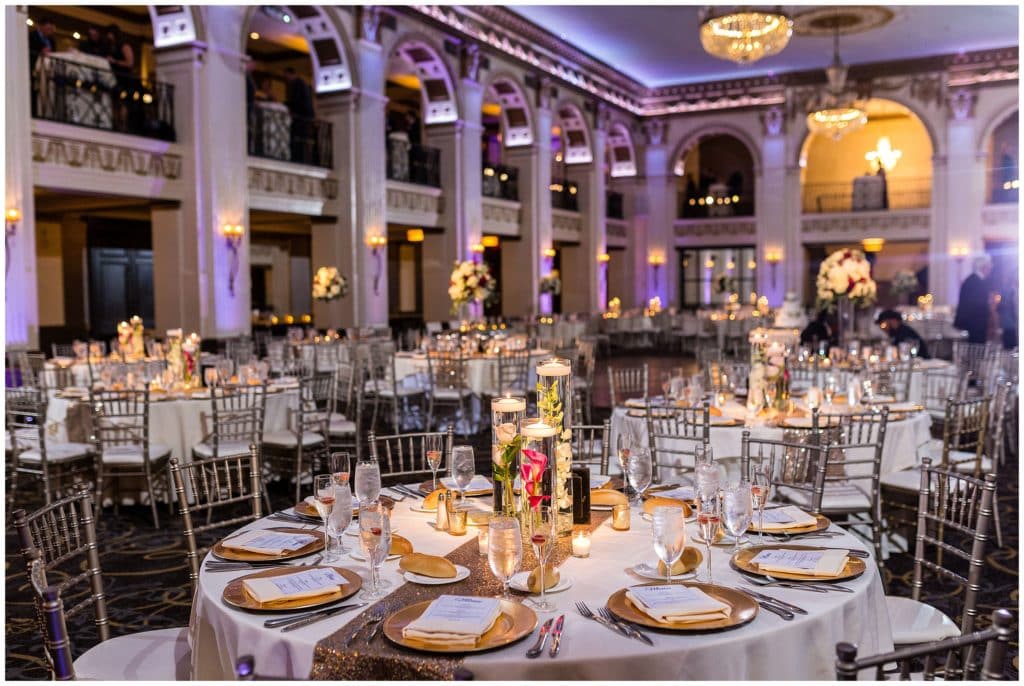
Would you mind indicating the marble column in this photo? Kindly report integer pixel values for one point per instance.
(654, 222)
(21, 303)
(776, 229)
(579, 263)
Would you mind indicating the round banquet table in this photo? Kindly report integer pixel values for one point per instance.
(765, 648)
(481, 370)
(902, 438)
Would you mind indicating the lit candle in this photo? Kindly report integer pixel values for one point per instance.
(482, 540)
(581, 543)
(553, 367)
(813, 397)
(539, 430)
(508, 405)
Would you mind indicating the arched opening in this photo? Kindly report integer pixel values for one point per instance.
(715, 178)
(619, 162)
(886, 164)
(570, 145)
(506, 123)
(1003, 177)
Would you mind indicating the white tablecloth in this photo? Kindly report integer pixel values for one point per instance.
(766, 648)
(481, 372)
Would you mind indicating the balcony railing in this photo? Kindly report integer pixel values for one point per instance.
(84, 94)
(564, 195)
(867, 194)
(413, 163)
(714, 205)
(277, 135)
(613, 205)
(500, 182)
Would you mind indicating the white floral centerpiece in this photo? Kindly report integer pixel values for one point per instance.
(905, 283)
(328, 284)
(551, 283)
(845, 274)
(470, 282)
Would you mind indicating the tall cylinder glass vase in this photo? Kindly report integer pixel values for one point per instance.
(554, 402)
(845, 322)
(506, 441)
(536, 470)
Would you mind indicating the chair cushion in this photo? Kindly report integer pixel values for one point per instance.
(964, 462)
(288, 439)
(226, 449)
(836, 498)
(914, 622)
(132, 454)
(907, 480)
(58, 452)
(449, 393)
(341, 427)
(160, 655)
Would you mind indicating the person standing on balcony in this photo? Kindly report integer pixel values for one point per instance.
(120, 55)
(41, 40)
(299, 101)
(93, 44)
(885, 187)
(972, 310)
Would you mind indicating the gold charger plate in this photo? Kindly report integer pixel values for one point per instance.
(316, 545)
(235, 594)
(308, 510)
(744, 609)
(515, 622)
(821, 524)
(855, 566)
(427, 487)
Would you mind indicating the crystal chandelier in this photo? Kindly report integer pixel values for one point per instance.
(745, 35)
(839, 113)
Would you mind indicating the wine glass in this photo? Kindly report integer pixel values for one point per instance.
(624, 447)
(323, 500)
(831, 386)
(709, 517)
(542, 534)
(375, 542)
(432, 448)
(638, 470)
(706, 471)
(761, 484)
(771, 392)
(339, 465)
(367, 479)
(504, 549)
(210, 377)
(463, 468)
(340, 517)
(737, 511)
(669, 532)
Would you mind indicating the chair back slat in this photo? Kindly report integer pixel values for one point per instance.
(51, 616)
(627, 382)
(513, 372)
(402, 455)
(591, 444)
(675, 435)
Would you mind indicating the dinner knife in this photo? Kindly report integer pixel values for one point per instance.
(281, 621)
(770, 599)
(775, 609)
(556, 634)
(322, 614)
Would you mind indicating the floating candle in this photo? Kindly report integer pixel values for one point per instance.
(554, 367)
(508, 405)
(539, 430)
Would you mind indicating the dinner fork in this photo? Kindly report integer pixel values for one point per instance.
(582, 608)
(633, 630)
(377, 616)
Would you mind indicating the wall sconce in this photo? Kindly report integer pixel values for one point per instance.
(604, 258)
(872, 245)
(11, 219)
(656, 260)
(549, 253)
(414, 235)
(490, 241)
(752, 265)
(233, 234)
(376, 243)
(773, 256)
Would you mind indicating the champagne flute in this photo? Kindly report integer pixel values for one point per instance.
(639, 471)
(709, 517)
(737, 511)
(542, 533)
(340, 464)
(669, 532)
(375, 542)
(504, 550)
(341, 516)
(463, 468)
(367, 480)
(432, 448)
(761, 483)
(623, 448)
(323, 499)
(830, 388)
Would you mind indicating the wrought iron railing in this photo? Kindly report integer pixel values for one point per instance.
(613, 205)
(564, 195)
(703, 207)
(77, 93)
(500, 182)
(413, 163)
(898, 194)
(277, 135)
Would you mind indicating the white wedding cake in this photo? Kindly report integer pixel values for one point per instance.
(791, 314)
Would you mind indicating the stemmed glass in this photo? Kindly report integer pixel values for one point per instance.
(669, 532)
(341, 515)
(638, 469)
(367, 479)
(709, 517)
(504, 550)
(831, 386)
(706, 471)
(771, 392)
(542, 534)
(375, 542)
(432, 448)
(622, 451)
(761, 483)
(737, 511)
(323, 499)
(339, 465)
(463, 468)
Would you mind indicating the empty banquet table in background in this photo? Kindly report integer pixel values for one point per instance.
(481, 369)
(767, 647)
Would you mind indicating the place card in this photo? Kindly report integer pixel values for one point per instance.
(677, 603)
(810, 562)
(455, 618)
(305, 584)
(269, 542)
(679, 493)
(788, 517)
(478, 483)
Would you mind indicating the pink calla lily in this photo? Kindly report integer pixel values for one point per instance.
(531, 471)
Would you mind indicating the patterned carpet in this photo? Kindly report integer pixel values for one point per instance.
(147, 585)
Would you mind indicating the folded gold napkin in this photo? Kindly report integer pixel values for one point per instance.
(811, 563)
(307, 584)
(455, 620)
(268, 542)
(798, 519)
(678, 604)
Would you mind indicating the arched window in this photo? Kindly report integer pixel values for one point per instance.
(715, 178)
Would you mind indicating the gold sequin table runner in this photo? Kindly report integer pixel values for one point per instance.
(383, 660)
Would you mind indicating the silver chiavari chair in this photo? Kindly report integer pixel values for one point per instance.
(63, 350)
(995, 640)
(398, 396)
(719, 374)
(513, 372)
(447, 385)
(214, 494)
(892, 379)
(239, 350)
(30, 366)
(162, 654)
(297, 448)
(345, 419)
(993, 448)
(583, 380)
(675, 436)
(401, 456)
(796, 467)
(938, 386)
(953, 518)
(627, 382)
(591, 445)
(968, 357)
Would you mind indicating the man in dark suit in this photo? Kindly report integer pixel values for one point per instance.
(972, 311)
(41, 40)
(300, 105)
(891, 322)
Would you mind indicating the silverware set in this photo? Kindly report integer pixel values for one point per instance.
(373, 624)
(553, 629)
(305, 619)
(609, 620)
(812, 586)
(294, 518)
(775, 606)
(237, 566)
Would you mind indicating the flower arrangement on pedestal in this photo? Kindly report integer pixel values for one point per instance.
(653, 306)
(328, 284)
(845, 275)
(470, 282)
(552, 283)
(905, 282)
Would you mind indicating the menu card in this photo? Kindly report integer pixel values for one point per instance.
(306, 584)
(269, 542)
(788, 517)
(478, 483)
(824, 563)
(677, 603)
(455, 620)
(680, 493)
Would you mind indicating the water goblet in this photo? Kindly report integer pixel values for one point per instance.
(340, 517)
(463, 468)
(639, 471)
(668, 527)
(367, 479)
(375, 543)
(737, 511)
(339, 464)
(504, 550)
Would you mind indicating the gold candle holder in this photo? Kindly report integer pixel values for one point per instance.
(620, 517)
(457, 523)
(482, 540)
